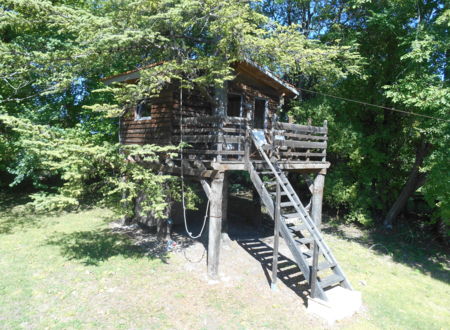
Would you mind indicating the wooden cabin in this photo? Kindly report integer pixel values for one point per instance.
(236, 127)
(216, 129)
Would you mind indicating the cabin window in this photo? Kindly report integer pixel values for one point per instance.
(234, 107)
(260, 113)
(144, 110)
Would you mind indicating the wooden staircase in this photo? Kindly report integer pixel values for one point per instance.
(312, 255)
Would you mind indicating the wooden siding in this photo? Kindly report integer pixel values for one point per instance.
(157, 130)
(165, 112)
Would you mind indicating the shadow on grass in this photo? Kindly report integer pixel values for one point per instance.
(96, 246)
(13, 215)
(288, 271)
(426, 256)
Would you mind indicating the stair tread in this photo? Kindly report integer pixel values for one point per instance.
(297, 228)
(307, 253)
(274, 183)
(291, 215)
(282, 193)
(284, 204)
(330, 280)
(324, 265)
(305, 240)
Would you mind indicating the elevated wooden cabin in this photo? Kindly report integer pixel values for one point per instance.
(237, 128)
(217, 128)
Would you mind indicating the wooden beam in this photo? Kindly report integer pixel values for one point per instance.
(276, 237)
(206, 188)
(215, 225)
(300, 144)
(225, 236)
(316, 211)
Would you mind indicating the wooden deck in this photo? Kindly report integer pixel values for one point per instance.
(217, 144)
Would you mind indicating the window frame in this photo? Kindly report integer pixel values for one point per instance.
(241, 104)
(137, 115)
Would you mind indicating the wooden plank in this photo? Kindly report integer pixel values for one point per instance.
(265, 196)
(209, 130)
(206, 188)
(277, 220)
(301, 144)
(301, 136)
(331, 280)
(301, 154)
(212, 152)
(213, 139)
(301, 128)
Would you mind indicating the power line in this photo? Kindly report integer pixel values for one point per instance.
(374, 105)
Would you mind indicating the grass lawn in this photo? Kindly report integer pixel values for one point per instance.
(73, 271)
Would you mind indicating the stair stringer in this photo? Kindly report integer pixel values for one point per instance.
(284, 230)
(303, 216)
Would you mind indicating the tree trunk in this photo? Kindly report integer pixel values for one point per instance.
(415, 181)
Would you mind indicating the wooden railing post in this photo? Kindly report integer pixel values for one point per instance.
(247, 145)
(221, 111)
(220, 140)
(324, 151)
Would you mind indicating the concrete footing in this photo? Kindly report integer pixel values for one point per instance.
(341, 303)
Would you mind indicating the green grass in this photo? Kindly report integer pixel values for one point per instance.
(72, 271)
(397, 295)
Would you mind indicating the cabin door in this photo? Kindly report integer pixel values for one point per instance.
(234, 106)
(260, 113)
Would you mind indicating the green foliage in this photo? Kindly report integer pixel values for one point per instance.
(61, 121)
(93, 171)
(405, 46)
(391, 53)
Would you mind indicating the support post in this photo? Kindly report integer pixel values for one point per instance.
(316, 214)
(215, 225)
(225, 236)
(317, 198)
(276, 238)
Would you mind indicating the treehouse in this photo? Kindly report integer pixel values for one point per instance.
(237, 127)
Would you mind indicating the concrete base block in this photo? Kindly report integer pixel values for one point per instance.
(341, 303)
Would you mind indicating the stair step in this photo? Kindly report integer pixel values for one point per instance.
(305, 240)
(274, 182)
(324, 265)
(307, 254)
(297, 228)
(330, 280)
(282, 193)
(291, 215)
(286, 204)
(268, 172)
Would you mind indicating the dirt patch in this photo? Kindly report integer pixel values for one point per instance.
(245, 276)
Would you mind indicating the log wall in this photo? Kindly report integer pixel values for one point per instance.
(157, 130)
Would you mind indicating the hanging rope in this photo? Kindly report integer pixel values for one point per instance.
(182, 174)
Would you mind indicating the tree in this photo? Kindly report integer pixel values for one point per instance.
(405, 46)
(53, 55)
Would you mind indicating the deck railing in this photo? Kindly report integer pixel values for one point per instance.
(216, 138)
(300, 142)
